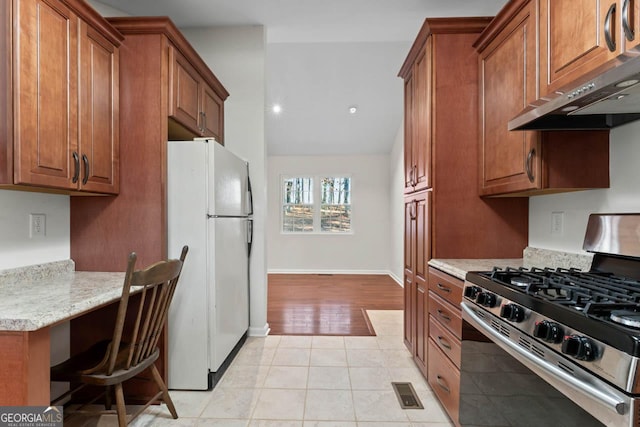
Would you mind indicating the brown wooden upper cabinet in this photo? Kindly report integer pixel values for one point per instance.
(60, 92)
(192, 95)
(194, 104)
(579, 39)
(507, 76)
(527, 162)
(417, 160)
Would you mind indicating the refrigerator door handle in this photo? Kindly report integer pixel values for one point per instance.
(249, 193)
(249, 235)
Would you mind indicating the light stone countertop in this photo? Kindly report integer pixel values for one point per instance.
(28, 303)
(459, 267)
(532, 257)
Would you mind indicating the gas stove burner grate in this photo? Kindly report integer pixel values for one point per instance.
(569, 287)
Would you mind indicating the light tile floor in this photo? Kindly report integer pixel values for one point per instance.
(307, 381)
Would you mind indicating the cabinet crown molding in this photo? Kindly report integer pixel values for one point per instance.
(441, 26)
(95, 20)
(502, 19)
(164, 25)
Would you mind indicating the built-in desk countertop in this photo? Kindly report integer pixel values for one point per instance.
(32, 300)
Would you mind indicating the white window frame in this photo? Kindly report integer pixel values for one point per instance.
(316, 205)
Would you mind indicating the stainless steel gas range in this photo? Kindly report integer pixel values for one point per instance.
(578, 331)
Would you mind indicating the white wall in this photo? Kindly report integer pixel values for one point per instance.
(366, 250)
(236, 55)
(396, 207)
(622, 196)
(105, 10)
(17, 249)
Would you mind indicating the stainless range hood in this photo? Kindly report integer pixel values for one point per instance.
(611, 99)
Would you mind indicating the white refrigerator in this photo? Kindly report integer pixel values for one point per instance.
(209, 208)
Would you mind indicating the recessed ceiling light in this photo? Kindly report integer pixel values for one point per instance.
(353, 109)
(277, 109)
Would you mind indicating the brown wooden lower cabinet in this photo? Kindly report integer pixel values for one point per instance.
(448, 343)
(445, 313)
(444, 379)
(444, 342)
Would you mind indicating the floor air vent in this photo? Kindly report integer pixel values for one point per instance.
(407, 396)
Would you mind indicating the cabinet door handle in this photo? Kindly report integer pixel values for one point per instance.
(411, 176)
(443, 315)
(85, 162)
(529, 164)
(415, 175)
(443, 288)
(608, 38)
(412, 214)
(442, 384)
(204, 122)
(628, 31)
(76, 167)
(444, 343)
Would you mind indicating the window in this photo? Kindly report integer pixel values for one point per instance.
(330, 213)
(297, 211)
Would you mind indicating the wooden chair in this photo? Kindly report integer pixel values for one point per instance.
(134, 348)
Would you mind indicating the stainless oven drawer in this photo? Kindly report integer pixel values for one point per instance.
(604, 402)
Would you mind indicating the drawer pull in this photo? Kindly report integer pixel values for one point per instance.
(442, 384)
(444, 316)
(443, 288)
(444, 343)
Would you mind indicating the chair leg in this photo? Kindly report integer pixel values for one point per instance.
(165, 391)
(120, 406)
(107, 398)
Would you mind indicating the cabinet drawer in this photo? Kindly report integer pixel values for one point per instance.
(444, 379)
(445, 340)
(446, 314)
(446, 286)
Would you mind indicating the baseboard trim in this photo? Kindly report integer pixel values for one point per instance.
(377, 272)
(398, 280)
(259, 331)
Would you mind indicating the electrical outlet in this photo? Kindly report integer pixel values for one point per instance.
(557, 223)
(38, 225)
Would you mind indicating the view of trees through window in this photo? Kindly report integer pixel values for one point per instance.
(297, 214)
(332, 213)
(335, 208)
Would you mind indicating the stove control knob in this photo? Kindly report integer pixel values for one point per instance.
(472, 291)
(581, 348)
(512, 312)
(486, 299)
(548, 331)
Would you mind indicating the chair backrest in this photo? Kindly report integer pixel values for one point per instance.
(149, 313)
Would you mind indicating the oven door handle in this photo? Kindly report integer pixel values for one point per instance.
(610, 400)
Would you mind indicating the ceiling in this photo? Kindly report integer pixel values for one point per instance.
(323, 57)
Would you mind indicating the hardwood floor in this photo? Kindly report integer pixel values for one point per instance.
(319, 304)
